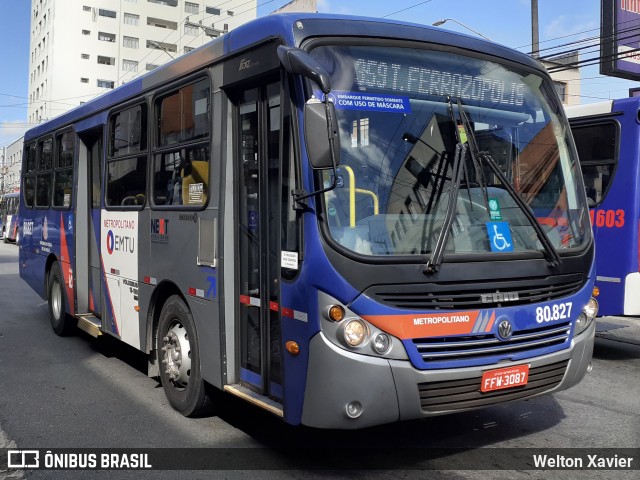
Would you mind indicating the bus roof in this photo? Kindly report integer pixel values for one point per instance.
(286, 28)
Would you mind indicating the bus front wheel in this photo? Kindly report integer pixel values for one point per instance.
(177, 350)
(62, 323)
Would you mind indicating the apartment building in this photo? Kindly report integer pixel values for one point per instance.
(83, 48)
(10, 167)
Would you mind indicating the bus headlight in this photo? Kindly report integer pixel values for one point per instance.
(355, 332)
(381, 343)
(585, 319)
(591, 308)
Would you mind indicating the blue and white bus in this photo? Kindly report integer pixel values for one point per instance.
(9, 216)
(606, 136)
(345, 221)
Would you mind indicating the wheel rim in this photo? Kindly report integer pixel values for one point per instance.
(56, 300)
(177, 355)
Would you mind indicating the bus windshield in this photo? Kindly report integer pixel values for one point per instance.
(400, 112)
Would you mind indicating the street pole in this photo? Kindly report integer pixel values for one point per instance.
(535, 37)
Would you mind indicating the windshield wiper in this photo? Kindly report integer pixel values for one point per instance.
(456, 175)
(552, 255)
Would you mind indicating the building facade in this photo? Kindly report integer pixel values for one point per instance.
(83, 48)
(566, 77)
(11, 165)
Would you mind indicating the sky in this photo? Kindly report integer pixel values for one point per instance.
(504, 21)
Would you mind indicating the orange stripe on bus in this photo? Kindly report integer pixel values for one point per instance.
(417, 326)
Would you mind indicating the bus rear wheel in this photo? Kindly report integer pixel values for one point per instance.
(62, 323)
(177, 350)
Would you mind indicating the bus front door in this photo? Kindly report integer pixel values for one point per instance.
(258, 180)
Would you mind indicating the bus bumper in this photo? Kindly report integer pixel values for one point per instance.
(392, 390)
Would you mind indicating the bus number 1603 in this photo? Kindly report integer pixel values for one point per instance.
(559, 311)
(607, 218)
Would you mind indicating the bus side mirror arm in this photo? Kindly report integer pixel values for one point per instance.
(323, 153)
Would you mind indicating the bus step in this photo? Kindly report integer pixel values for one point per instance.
(90, 324)
(255, 398)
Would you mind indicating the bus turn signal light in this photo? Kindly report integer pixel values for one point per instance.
(596, 291)
(292, 347)
(336, 313)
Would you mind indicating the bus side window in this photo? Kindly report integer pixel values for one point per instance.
(596, 144)
(181, 173)
(44, 174)
(63, 176)
(126, 184)
(29, 181)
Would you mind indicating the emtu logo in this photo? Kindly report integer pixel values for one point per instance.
(110, 242)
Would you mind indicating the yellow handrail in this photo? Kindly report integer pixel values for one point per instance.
(374, 196)
(352, 197)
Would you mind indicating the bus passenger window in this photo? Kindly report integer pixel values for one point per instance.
(43, 190)
(43, 178)
(126, 183)
(596, 144)
(181, 172)
(29, 189)
(62, 183)
(29, 180)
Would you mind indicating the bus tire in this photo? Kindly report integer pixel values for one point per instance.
(179, 362)
(62, 323)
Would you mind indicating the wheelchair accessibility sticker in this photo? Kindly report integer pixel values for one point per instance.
(500, 237)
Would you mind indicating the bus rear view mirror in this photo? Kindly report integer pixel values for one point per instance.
(321, 135)
(297, 61)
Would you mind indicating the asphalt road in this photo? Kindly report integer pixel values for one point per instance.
(80, 392)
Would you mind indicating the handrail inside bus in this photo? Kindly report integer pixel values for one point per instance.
(352, 196)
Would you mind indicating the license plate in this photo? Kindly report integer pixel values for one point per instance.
(504, 378)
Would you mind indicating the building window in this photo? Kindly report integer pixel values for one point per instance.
(129, 65)
(561, 89)
(105, 83)
(84, 56)
(130, 42)
(131, 19)
(158, 22)
(230, 13)
(86, 8)
(191, 29)
(84, 80)
(188, 49)
(151, 66)
(86, 32)
(106, 37)
(191, 7)
(213, 11)
(169, 3)
(106, 60)
(106, 13)
(168, 47)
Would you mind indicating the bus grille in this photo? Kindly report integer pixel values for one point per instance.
(475, 347)
(476, 295)
(463, 394)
